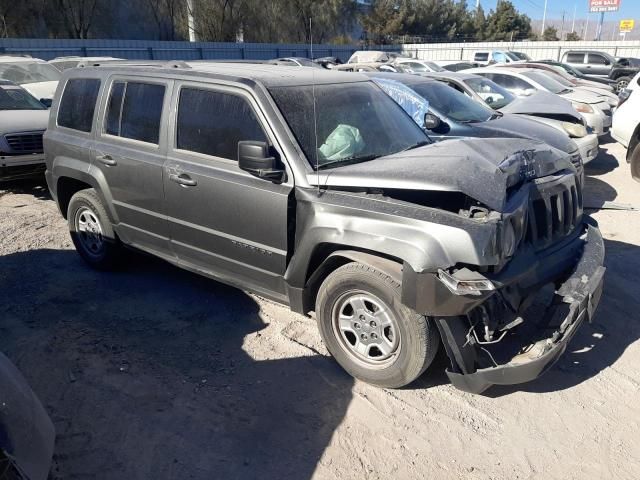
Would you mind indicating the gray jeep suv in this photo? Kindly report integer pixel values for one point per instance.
(314, 189)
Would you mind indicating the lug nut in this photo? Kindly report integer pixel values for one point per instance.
(363, 336)
(362, 317)
(373, 335)
(372, 324)
(356, 325)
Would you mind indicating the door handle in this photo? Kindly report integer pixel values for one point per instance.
(107, 160)
(183, 179)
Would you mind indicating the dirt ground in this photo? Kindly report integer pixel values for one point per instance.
(155, 373)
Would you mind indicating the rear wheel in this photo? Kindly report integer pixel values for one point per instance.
(92, 232)
(622, 83)
(635, 163)
(369, 332)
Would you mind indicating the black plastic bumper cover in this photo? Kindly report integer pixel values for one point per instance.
(581, 293)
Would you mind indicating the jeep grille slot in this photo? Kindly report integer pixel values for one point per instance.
(554, 211)
(25, 142)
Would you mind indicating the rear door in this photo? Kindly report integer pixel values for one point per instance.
(576, 60)
(224, 221)
(130, 154)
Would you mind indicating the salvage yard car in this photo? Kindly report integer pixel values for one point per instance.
(23, 120)
(626, 124)
(524, 82)
(544, 107)
(34, 75)
(395, 243)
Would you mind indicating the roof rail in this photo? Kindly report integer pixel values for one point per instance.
(136, 63)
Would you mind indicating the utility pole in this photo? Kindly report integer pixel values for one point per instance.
(477, 4)
(586, 28)
(573, 22)
(562, 28)
(190, 22)
(599, 29)
(544, 17)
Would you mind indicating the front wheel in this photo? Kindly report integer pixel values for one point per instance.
(634, 160)
(622, 83)
(369, 332)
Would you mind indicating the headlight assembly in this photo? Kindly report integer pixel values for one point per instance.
(575, 130)
(582, 107)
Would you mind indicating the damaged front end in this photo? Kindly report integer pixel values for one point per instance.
(508, 323)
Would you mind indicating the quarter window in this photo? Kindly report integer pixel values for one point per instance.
(213, 123)
(596, 59)
(134, 111)
(78, 103)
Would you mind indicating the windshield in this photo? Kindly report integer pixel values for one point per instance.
(513, 57)
(434, 67)
(547, 82)
(15, 98)
(356, 122)
(26, 72)
(450, 103)
(493, 94)
(520, 55)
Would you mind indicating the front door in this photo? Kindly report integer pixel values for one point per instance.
(130, 155)
(224, 221)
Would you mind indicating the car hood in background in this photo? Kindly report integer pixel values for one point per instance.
(14, 121)
(543, 104)
(482, 169)
(510, 125)
(41, 90)
(26, 432)
(578, 95)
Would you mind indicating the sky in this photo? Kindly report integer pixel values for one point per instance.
(534, 8)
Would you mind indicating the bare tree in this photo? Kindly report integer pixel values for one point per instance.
(170, 17)
(77, 16)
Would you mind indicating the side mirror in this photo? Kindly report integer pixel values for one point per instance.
(255, 158)
(431, 121)
(46, 102)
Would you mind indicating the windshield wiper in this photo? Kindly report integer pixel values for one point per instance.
(348, 161)
(421, 143)
(496, 115)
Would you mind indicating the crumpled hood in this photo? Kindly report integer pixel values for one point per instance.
(510, 125)
(41, 90)
(480, 168)
(542, 103)
(14, 121)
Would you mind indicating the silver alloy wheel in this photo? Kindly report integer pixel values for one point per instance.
(366, 329)
(621, 85)
(89, 231)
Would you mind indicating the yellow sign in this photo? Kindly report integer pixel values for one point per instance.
(626, 25)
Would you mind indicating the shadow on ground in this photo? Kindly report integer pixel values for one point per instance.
(604, 163)
(33, 186)
(144, 374)
(597, 346)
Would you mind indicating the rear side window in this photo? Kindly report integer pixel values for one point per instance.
(575, 57)
(78, 103)
(134, 111)
(481, 57)
(213, 123)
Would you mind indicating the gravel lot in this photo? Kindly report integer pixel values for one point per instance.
(155, 373)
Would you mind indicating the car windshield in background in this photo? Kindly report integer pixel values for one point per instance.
(452, 104)
(356, 122)
(546, 81)
(513, 57)
(15, 98)
(25, 72)
(493, 94)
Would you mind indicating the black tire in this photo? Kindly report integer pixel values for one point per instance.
(107, 256)
(634, 160)
(418, 338)
(622, 83)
